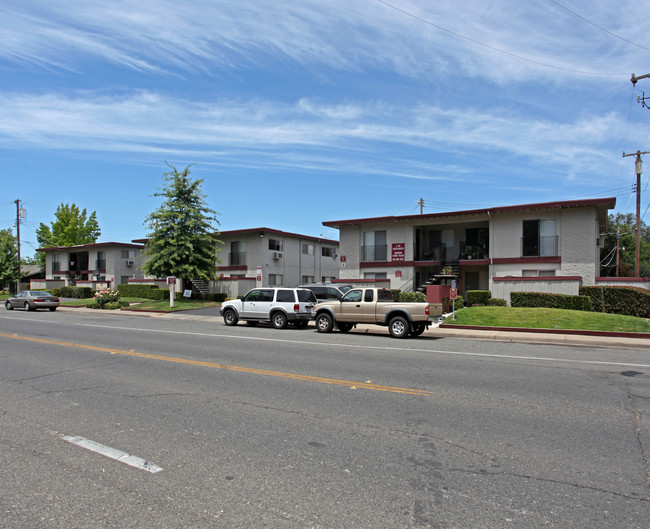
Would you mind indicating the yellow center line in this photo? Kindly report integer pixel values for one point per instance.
(309, 378)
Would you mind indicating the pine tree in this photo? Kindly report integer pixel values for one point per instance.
(182, 239)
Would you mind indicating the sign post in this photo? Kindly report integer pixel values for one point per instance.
(453, 294)
(171, 282)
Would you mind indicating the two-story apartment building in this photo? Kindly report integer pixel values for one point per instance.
(550, 247)
(268, 257)
(98, 265)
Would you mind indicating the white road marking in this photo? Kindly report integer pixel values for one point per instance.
(112, 453)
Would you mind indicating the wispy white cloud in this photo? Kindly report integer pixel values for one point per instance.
(482, 39)
(337, 135)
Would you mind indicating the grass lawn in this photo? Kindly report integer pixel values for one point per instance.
(149, 304)
(541, 318)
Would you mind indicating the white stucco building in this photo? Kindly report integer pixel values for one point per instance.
(551, 247)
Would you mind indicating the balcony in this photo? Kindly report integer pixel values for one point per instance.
(374, 253)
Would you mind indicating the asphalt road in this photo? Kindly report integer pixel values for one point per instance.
(113, 421)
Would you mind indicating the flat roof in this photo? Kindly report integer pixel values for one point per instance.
(91, 245)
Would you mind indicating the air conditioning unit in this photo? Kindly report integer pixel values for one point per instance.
(278, 255)
(130, 262)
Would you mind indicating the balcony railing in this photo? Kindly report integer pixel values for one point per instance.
(543, 246)
(237, 259)
(376, 252)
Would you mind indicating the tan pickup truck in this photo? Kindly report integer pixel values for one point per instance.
(375, 305)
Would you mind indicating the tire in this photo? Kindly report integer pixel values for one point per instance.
(230, 317)
(345, 327)
(279, 320)
(52, 309)
(28, 306)
(419, 329)
(398, 327)
(8, 305)
(252, 323)
(300, 324)
(324, 322)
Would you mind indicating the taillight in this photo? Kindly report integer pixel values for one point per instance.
(296, 307)
(427, 310)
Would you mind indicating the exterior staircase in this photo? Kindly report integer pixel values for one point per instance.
(200, 285)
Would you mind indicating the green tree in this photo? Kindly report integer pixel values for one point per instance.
(70, 228)
(182, 239)
(8, 258)
(625, 224)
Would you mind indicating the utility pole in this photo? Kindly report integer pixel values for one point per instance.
(618, 250)
(638, 169)
(18, 212)
(421, 204)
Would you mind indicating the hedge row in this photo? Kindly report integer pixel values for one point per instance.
(144, 291)
(630, 301)
(74, 292)
(411, 297)
(478, 297)
(551, 301)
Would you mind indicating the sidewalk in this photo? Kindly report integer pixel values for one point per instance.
(557, 337)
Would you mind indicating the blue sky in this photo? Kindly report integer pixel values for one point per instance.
(299, 112)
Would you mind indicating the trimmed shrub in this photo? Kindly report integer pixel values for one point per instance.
(75, 292)
(496, 302)
(116, 305)
(551, 301)
(478, 297)
(447, 304)
(629, 301)
(412, 297)
(142, 291)
(396, 294)
(103, 298)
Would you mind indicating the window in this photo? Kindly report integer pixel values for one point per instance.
(353, 296)
(56, 262)
(539, 238)
(374, 275)
(100, 264)
(275, 279)
(285, 296)
(306, 280)
(307, 248)
(368, 296)
(237, 255)
(537, 273)
(275, 245)
(327, 251)
(374, 246)
(327, 278)
(127, 254)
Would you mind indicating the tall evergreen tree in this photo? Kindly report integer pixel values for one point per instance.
(182, 239)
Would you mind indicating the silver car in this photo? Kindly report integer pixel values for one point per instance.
(32, 300)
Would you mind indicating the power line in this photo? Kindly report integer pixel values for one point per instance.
(599, 27)
(520, 57)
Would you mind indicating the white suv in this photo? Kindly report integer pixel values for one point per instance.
(280, 306)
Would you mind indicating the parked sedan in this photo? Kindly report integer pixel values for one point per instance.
(32, 300)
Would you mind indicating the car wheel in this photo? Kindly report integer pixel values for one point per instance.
(28, 306)
(398, 327)
(279, 320)
(230, 317)
(301, 324)
(419, 329)
(345, 327)
(8, 305)
(324, 322)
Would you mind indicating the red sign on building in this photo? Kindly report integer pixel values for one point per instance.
(399, 253)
